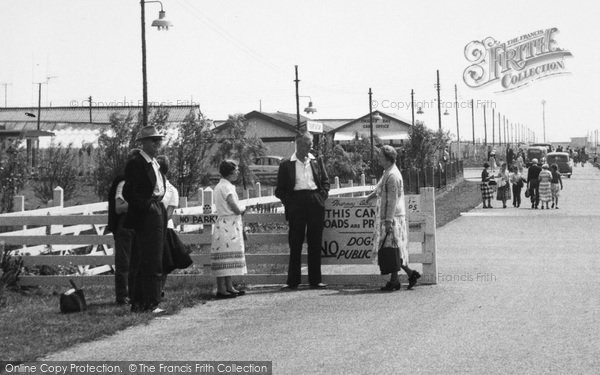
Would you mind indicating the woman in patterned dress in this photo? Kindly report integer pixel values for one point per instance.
(486, 189)
(227, 249)
(390, 222)
(545, 186)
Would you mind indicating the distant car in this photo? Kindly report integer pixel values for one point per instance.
(562, 160)
(535, 152)
(266, 164)
(548, 146)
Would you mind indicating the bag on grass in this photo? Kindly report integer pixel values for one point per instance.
(73, 300)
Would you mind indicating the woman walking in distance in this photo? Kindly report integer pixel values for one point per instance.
(227, 249)
(545, 188)
(390, 223)
(486, 189)
(556, 180)
(503, 193)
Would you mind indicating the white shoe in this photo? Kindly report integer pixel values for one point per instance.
(158, 311)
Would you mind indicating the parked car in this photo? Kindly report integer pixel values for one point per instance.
(535, 152)
(266, 164)
(562, 160)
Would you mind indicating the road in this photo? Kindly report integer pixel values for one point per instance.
(519, 292)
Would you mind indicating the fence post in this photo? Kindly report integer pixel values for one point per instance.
(19, 206)
(58, 197)
(429, 245)
(336, 182)
(207, 201)
(271, 191)
(57, 201)
(362, 180)
(258, 190)
(351, 184)
(200, 197)
(183, 203)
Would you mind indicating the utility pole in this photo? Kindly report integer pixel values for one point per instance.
(473, 120)
(437, 86)
(484, 127)
(544, 117)
(297, 100)
(5, 84)
(493, 126)
(371, 124)
(90, 100)
(457, 127)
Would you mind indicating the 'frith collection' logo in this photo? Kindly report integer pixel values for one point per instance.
(514, 63)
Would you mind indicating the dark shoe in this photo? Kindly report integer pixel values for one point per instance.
(238, 293)
(412, 280)
(123, 301)
(552, 205)
(318, 286)
(288, 288)
(390, 286)
(135, 308)
(504, 206)
(542, 207)
(225, 295)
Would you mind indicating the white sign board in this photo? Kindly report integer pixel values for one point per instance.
(350, 225)
(314, 126)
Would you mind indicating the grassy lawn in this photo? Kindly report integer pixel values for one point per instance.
(32, 325)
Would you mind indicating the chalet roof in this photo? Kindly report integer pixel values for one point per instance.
(383, 114)
(81, 115)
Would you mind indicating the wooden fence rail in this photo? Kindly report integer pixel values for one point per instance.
(67, 234)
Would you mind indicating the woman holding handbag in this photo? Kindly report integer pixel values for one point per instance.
(391, 228)
(503, 193)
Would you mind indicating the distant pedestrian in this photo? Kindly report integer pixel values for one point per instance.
(545, 187)
(519, 163)
(533, 183)
(227, 248)
(557, 185)
(517, 181)
(503, 182)
(493, 161)
(486, 189)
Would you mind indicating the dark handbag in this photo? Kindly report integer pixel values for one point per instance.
(72, 300)
(388, 258)
(492, 182)
(527, 193)
(176, 254)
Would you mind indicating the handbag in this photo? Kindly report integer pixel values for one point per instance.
(176, 255)
(527, 193)
(492, 183)
(73, 300)
(388, 258)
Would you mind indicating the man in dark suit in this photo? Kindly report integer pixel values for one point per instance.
(303, 187)
(143, 191)
(533, 183)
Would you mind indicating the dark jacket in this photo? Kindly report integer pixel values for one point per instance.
(286, 180)
(139, 186)
(533, 173)
(113, 217)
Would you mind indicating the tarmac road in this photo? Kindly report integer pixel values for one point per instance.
(518, 292)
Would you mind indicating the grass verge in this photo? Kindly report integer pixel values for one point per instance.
(32, 325)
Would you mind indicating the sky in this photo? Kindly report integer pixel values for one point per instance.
(238, 56)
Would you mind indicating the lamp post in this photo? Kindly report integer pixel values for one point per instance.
(544, 118)
(160, 23)
(457, 127)
(484, 127)
(437, 86)
(371, 124)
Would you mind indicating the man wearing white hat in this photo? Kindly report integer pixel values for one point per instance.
(143, 191)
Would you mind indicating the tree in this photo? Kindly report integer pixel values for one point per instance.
(115, 143)
(424, 146)
(237, 144)
(57, 167)
(189, 153)
(13, 173)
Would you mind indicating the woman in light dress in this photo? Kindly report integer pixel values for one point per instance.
(391, 216)
(545, 189)
(227, 249)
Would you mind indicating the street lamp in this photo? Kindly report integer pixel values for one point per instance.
(310, 109)
(371, 124)
(544, 117)
(160, 23)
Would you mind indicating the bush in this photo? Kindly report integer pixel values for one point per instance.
(57, 167)
(13, 173)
